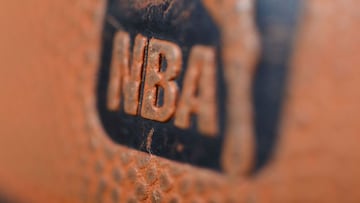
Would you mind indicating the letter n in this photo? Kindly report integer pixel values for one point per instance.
(124, 79)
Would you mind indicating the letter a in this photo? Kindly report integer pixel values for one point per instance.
(201, 76)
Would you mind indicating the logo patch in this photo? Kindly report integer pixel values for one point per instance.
(199, 82)
(161, 80)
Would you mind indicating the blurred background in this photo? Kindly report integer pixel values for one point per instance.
(53, 148)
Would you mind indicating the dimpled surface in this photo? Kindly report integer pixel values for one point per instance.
(54, 150)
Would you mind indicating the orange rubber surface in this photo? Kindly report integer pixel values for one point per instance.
(53, 149)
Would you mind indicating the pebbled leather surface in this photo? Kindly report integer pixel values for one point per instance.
(51, 151)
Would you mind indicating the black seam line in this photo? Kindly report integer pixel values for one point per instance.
(143, 76)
